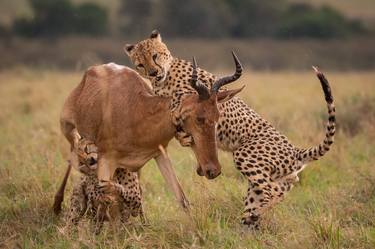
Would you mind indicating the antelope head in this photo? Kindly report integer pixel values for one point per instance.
(199, 114)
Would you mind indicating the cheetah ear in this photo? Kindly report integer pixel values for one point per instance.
(128, 48)
(155, 35)
(227, 94)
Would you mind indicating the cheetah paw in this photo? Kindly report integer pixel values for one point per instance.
(108, 191)
(185, 139)
(252, 222)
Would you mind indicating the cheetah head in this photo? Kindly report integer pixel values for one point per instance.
(151, 57)
(87, 154)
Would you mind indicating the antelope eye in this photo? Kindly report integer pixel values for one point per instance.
(200, 120)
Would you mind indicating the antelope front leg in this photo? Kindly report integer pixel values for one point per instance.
(166, 169)
(106, 170)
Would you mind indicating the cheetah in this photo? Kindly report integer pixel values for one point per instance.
(123, 198)
(262, 154)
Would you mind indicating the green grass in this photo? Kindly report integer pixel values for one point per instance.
(332, 207)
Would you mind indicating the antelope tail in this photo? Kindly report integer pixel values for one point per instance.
(59, 197)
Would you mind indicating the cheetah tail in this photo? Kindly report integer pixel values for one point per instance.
(314, 153)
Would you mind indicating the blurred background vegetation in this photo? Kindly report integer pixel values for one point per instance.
(75, 33)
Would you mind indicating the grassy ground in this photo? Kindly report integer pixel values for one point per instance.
(332, 207)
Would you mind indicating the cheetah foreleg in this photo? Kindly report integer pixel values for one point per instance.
(78, 204)
(185, 139)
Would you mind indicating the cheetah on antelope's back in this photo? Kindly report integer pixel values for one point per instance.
(263, 155)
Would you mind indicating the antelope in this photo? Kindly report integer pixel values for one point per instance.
(115, 108)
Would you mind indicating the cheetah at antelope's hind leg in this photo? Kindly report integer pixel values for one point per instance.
(262, 154)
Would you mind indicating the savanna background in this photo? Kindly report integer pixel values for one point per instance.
(45, 47)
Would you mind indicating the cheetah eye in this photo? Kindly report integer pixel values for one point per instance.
(140, 65)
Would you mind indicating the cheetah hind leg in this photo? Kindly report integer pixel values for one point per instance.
(125, 214)
(256, 203)
(262, 195)
(285, 184)
(78, 204)
(143, 217)
(138, 211)
(100, 217)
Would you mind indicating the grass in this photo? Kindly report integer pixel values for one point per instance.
(332, 207)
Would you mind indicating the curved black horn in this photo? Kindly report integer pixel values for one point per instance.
(200, 88)
(228, 79)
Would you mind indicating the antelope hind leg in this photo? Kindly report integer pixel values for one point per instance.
(59, 196)
(74, 137)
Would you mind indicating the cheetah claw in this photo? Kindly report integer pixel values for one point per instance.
(185, 140)
(107, 190)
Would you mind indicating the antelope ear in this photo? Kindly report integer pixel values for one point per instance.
(228, 94)
(155, 35)
(128, 48)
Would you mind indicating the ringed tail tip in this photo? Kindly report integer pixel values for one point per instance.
(318, 72)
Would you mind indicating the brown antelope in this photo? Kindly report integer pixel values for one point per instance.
(115, 108)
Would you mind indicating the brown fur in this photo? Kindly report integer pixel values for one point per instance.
(114, 108)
